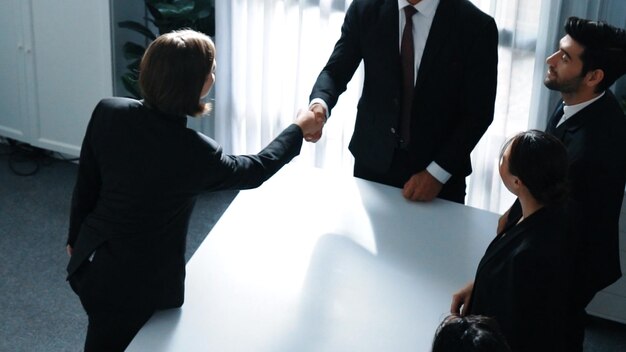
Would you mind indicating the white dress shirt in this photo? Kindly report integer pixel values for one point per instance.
(422, 21)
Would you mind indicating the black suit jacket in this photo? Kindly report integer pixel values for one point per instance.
(595, 139)
(139, 174)
(454, 93)
(525, 278)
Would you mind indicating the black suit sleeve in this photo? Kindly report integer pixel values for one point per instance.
(342, 63)
(537, 315)
(224, 171)
(88, 182)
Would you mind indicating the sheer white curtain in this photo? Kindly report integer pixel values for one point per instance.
(529, 33)
(269, 53)
(518, 24)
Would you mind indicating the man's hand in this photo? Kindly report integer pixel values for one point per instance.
(461, 299)
(308, 122)
(69, 250)
(320, 117)
(422, 187)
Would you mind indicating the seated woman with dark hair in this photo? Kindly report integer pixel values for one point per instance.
(472, 333)
(525, 276)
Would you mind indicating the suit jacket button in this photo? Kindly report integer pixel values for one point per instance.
(393, 130)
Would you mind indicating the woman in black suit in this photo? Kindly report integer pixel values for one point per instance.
(525, 276)
(140, 171)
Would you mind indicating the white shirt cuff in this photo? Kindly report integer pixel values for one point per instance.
(438, 172)
(321, 102)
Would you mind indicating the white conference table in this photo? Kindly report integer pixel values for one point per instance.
(314, 261)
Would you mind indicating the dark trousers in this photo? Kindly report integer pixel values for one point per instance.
(115, 313)
(400, 172)
(113, 331)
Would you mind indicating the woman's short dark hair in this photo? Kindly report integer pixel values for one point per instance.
(539, 160)
(472, 333)
(604, 48)
(173, 71)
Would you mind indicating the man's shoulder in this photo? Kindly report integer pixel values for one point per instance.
(597, 132)
(372, 2)
(607, 113)
(610, 103)
(464, 17)
(371, 6)
(469, 11)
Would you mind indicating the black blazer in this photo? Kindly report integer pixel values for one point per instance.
(595, 139)
(139, 174)
(524, 280)
(455, 90)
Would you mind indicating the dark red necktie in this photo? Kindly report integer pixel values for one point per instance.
(407, 56)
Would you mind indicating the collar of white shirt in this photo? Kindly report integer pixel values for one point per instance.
(425, 7)
(571, 110)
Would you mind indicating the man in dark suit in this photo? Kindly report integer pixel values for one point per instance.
(428, 94)
(591, 124)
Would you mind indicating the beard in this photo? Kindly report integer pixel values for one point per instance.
(564, 86)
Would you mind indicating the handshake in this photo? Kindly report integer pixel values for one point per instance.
(312, 122)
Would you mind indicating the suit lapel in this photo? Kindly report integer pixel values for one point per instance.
(384, 39)
(388, 28)
(498, 244)
(571, 124)
(441, 26)
(554, 119)
(501, 243)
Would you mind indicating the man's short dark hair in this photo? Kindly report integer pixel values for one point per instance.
(604, 48)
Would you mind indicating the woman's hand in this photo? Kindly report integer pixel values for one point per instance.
(311, 124)
(461, 299)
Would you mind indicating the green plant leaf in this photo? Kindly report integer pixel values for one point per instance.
(166, 15)
(204, 8)
(133, 51)
(153, 11)
(137, 27)
(134, 65)
(182, 9)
